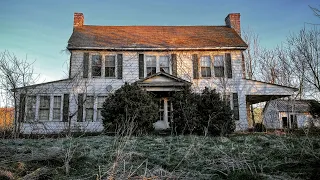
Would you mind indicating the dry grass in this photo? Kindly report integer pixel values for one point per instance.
(253, 156)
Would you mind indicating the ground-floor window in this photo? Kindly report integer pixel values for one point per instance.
(44, 108)
(89, 103)
(101, 100)
(31, 108)
(56, 108)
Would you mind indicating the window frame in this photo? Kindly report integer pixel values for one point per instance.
(57, 108)
(44, 108)
(33, 108)
(105, 66)
(158, 67)
(216, 75)
(91, 65)
(209, 75)
(86, 108)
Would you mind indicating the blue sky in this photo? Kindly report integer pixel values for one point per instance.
(40, 29)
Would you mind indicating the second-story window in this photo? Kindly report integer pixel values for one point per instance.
(205, 66)
(151, 63)
(96, 66)
(110, 66)
(164, 64)
(218, 66)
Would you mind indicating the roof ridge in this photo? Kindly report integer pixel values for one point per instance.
(155, 26)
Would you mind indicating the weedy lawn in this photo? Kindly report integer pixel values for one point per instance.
(252, 156)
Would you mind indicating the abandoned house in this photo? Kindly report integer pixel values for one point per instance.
(161, 59)
(289, 114)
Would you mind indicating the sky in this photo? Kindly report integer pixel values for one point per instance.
(39, 30)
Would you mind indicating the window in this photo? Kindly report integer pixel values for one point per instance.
(96, 65)
(89, 108)
(205, 66)
(235, 106)
(164, 64)
(44, 108)
(151, 65)
(101, 100)
(110, 66)
(56, 108)
(218, 66)
(285, 122)
(31, 107)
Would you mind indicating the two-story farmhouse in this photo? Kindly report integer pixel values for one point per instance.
(161, 59)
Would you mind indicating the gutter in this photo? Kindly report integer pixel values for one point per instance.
(152, 49)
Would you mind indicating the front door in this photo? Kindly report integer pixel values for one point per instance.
(165, 114)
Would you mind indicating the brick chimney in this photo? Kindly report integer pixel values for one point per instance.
(78, 20)
(233, 21)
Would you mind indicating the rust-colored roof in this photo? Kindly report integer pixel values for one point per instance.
(155, 37)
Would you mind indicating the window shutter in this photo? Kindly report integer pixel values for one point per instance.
(228, 65)
(235, 106)
(85, 65)
(80, 107)
(65, 108)
(141, 66)
(174, 64)
(22, 107)
(195, 63)
(120, 65)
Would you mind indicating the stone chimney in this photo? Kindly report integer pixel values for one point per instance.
(78, 20)
(233, 21)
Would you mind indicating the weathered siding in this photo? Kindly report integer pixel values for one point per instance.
(101, 86)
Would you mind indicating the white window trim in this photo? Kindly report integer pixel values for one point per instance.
(157, 63)
(103, 66)
(37, 108)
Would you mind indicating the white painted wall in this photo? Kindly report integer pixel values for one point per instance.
(97, 86)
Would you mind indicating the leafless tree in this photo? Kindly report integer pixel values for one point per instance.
(304, 59)
(15, 73)
(251, 55)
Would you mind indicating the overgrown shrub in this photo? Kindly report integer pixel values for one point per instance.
(201, 113)
(129, 108)
(259, 127)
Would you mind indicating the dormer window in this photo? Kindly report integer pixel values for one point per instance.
(96, 66)
(151, 63)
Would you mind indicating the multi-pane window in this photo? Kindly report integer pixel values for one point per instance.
(205, 66)
(56, 108)
(164, 64)
(96, 66)
(110, 66)
(218, 66)
(101, 100)
(44, 108)
(31, 107)
(151, 63)
(89, 108)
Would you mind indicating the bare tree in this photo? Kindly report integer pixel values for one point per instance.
(251, 55)
(304, 59)
(15, 73)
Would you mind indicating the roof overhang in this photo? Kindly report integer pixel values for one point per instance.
(155, 49)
